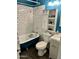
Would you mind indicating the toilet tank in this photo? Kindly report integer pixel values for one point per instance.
(46, 36)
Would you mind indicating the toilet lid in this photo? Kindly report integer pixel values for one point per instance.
(41, 44)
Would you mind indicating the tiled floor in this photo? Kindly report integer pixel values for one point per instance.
(32, 54)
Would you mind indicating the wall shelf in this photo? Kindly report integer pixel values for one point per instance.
(51, 25)
(51, 20)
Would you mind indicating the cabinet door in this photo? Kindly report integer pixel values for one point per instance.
(54, 46)
(53, 52)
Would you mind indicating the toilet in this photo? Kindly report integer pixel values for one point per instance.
(41, 46)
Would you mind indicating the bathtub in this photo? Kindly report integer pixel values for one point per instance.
(28, 40)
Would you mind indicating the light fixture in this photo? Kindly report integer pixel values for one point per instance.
(55, 3)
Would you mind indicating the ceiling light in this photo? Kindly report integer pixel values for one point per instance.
(55, 3)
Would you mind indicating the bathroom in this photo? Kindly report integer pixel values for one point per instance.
(38, 29)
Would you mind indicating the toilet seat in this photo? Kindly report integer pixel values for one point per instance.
(41, 45)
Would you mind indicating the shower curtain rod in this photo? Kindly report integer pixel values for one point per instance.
(33, 1)
(26, 4)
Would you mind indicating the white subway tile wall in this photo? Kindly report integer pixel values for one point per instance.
(40, 20)
(24, 19)
(31, 19)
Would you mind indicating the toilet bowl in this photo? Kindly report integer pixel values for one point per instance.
(41, 46)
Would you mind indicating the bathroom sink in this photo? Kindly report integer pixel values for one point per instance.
(56, 36)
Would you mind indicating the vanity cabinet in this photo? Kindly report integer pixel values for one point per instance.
(54, 46)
